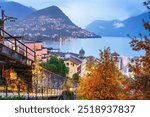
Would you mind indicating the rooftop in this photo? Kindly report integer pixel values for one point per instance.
(57, 54)
(115, 54)
(74, 54)
(26, 42)
(74, 60)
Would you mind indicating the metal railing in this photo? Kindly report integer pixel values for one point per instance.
(49, 87)
(13, 43)
(34, 93)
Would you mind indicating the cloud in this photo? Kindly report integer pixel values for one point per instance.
(118, 25)
(83, 12)
(101, 27)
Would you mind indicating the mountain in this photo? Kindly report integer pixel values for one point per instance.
(52, 12)
(16, 10)
(132, 26)
(48, 23)
(105, 28)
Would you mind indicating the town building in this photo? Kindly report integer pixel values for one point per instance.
(122, 63)
(41, 52)
(75, 62)
(79, 60)
(74, 66)
(59, 55)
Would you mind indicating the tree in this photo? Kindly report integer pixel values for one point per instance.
(91, 62)
(37, 78)
(104, 82)
(141, 65)
(56, 65)
(75, 78)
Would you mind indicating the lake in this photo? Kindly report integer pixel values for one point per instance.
(92, 46)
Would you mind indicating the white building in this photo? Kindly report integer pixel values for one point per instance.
(123, 64)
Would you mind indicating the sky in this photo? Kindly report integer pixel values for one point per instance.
(83, 12)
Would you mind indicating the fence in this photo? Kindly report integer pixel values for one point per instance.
(44, 88)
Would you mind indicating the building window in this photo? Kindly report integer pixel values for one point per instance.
(67, 64)
(72, 64)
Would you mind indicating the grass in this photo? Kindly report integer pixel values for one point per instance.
(12, 98)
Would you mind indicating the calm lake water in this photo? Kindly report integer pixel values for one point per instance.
(92, 46)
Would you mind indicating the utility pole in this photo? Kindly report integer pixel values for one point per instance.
(2, 25)
(3, 19)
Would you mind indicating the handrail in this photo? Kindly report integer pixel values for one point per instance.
(27, 51)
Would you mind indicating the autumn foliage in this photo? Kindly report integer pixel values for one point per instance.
(12, 82)
(104, 82)
(141, 65)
